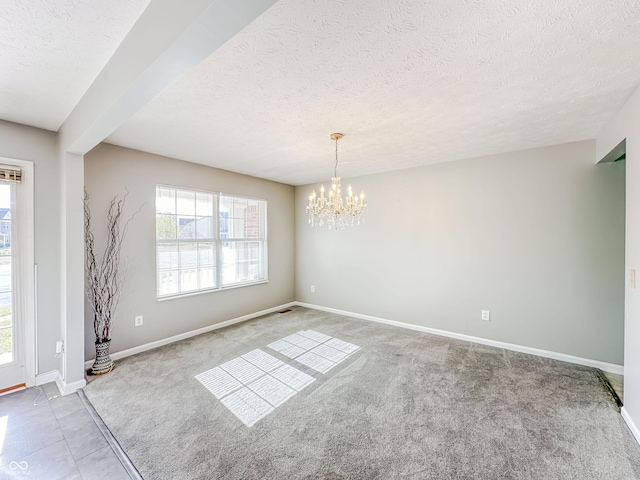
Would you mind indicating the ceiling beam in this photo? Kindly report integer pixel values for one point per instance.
(167, 41)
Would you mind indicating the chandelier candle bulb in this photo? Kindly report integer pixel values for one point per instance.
(333, 211)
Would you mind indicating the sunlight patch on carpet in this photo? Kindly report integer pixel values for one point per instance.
(256, 383)
(318, 363)
(247, 406)
(253, 385)
(293, 377)
(286, 349)
(314, 349)
(218, 382)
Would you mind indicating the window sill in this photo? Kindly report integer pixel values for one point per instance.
(212, 290)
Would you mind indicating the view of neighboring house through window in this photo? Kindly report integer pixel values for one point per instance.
(6, 294)
(208, 241)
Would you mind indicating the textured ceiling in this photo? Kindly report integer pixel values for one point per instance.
(408, 82)
(51, 51)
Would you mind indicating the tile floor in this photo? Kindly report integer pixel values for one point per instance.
(46, 436)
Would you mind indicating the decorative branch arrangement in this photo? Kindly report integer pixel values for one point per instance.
(104, 277)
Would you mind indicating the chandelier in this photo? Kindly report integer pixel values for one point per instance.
(330, 209)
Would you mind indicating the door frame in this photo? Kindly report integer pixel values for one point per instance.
(25, 298)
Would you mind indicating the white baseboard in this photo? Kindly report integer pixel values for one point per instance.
(56, 376)
(47, 377)
(607, 367)
(67, 388)
(630, 424)
(192, 333)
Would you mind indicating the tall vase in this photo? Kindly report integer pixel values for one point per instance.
(103, 363)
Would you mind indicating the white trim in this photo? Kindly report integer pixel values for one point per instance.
(48, 377)
(67, 388)
(607, 367)
(27, 261)
(632, 426)
(63, 387)
(192, 333)
(209, 290)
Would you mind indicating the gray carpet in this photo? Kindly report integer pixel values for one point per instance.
(405, 405)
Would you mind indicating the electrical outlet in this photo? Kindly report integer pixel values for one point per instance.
(138, 321)
(486, 315)
(632, 278)
(313, 289)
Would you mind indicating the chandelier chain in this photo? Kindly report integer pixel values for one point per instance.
(331, 209)
(335, 168)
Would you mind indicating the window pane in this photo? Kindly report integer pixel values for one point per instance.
(204, 204)
(186, 202)
(255, 251)
(242, 262)
(168, 282)
(252, 221)
(6, 278)
(231, 230)
(165, 200)
(6, 328)
(206, 254)
(167, 256)
(238, 227)
(187, 227)
(241, 218)
(204, 227)
(226, 205)
(188, 255)
(188, 280)
(166, 227)
(207, 277)
(239, 207)
(224, 225)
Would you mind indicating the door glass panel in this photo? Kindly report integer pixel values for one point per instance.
(7, 330)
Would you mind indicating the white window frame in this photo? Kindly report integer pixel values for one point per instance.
(217, 241)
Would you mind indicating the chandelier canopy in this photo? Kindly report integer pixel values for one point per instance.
(330, 209)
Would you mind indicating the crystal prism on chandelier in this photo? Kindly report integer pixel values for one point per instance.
(329, 209)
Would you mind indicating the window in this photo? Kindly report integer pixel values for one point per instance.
(208, 241)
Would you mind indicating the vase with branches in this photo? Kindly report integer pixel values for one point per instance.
(104, 277)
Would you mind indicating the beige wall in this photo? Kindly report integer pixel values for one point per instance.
(625, 125)
(40, 147)
(536, 237)
(108, 171)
